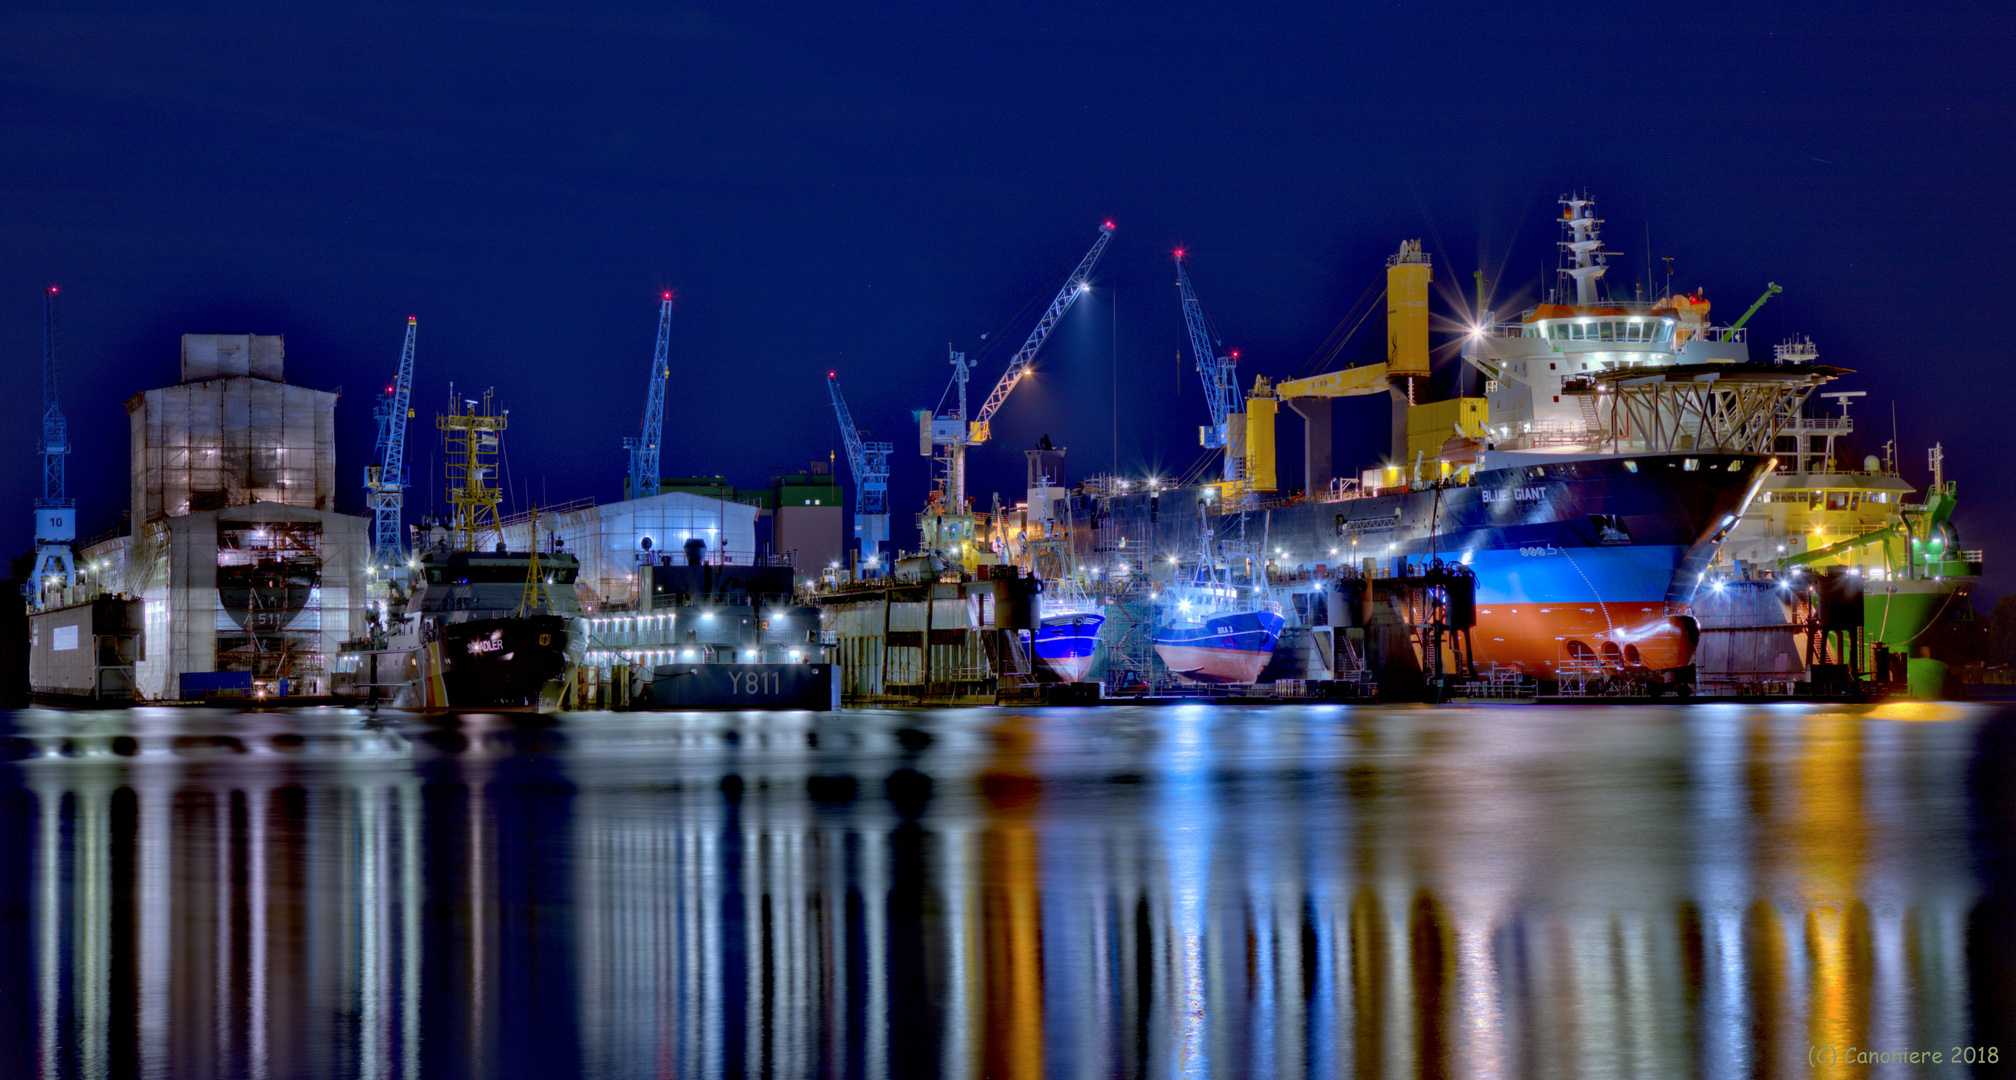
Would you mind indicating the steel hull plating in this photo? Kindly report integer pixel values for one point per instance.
(1592, 558)
(1229, 648)
(508, 663)
(1069, 644)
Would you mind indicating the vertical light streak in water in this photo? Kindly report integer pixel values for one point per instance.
(798, 963)
(91, 918)
(708, 821)
(874, 911)
(409, 911)
(833, 944)
(960, 934)
(1463, 1013)
(597, 888)
(257, 806)
(1722, 852)
(479, 931)
(1187, 820)
(703, 952)
(371, 1059)
(1078, 872)
(1830, 834)
(48, 926)
(1886, 890)
(757, 954)
(222, 919)
(151, 882)
(1330, 1002)
(1011, 961)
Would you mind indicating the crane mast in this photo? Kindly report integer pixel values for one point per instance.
(951, 435)
(1220, 375)
(55, 511)
(385, 483)
(644, 474)
(870, 462)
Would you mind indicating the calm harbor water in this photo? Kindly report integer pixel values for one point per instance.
(1710, 890)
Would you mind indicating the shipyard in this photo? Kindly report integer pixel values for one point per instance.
(1060, 540)
(1656, 512)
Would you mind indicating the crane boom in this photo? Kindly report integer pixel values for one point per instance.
(1221, 390)
(385, 482)
(1771, 289)
(870, 462)
(1019, 366)
(848, 433)
(644, 474)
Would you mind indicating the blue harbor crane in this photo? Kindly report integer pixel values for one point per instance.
(644, 476)
(1220, 374)
(953, 434)
(55, 512)
(385, 483)
(870, 462)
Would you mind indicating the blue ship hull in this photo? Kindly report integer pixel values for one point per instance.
(1584, 560)
(1069, 644)
(1230, 648)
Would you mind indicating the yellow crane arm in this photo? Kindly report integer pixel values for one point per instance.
(1350, 382)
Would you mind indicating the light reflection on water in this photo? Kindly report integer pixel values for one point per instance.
(1189, 891)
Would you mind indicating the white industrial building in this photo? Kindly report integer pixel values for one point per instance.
(611, 539)
(236, 549)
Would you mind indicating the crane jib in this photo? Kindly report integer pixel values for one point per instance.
(1073, 286)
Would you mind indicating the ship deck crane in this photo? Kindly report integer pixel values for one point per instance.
(644, 474)
(870, 462)
(1221, 381)
(55, 511)
(1771, 289)
(951, 435)
(385, 483)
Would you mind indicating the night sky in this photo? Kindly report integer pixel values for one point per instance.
(853, 188)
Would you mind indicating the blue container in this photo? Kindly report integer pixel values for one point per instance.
(197, 684)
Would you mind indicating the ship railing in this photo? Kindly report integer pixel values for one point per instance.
(1738, 334)
(1550, 433)
(1344, 487)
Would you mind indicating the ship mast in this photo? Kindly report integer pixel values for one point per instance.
(1583, 257)
(471, 431)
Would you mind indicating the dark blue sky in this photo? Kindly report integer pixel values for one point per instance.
(842, 187)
